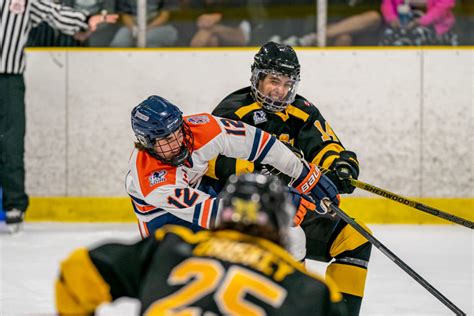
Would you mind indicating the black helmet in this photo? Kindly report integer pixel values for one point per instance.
(256, 199)
(278, 59)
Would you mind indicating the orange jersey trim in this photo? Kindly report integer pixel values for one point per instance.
(144, 208)
(204, 128)
(264, 141)
(205, 213)
(144, 232)
(147, 166)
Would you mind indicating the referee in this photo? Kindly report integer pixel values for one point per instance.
(17, 18)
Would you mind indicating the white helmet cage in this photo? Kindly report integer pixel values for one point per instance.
(266, 102)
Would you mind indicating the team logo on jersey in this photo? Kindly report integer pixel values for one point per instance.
(157, 177)
(307, 103)
(198, 119)
(17, 6)
(259, 117)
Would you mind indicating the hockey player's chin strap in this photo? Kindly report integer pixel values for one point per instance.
(374, 241)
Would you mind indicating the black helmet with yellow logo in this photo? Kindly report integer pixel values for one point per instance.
(257, 200)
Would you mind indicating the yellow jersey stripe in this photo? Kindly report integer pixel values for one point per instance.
(247, 109)
(284, 116)
(211, 169)
(297, 112)
(331, 147)
(349, 279)
(244, 166)
(78, 276)
(347, 239)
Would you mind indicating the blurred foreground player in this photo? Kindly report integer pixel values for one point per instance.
(238, 268)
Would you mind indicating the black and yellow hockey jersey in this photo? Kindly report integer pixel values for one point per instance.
(301, 125)
(221, 272)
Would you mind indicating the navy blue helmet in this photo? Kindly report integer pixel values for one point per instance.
(157, 118)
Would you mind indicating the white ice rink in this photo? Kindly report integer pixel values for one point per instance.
(443, 255)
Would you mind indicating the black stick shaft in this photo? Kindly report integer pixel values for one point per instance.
(374, 241)
(411, 203)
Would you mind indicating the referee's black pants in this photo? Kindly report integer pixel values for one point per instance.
(12, 142)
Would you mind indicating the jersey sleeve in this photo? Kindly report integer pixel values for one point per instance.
(189, 204)
(156, 188)
(236, 140)
(316, 138)
(223, 167)
(243, 141)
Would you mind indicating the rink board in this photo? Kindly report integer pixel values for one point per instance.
(368, 210)
(405, 112)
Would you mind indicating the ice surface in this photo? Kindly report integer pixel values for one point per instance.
(443, 255)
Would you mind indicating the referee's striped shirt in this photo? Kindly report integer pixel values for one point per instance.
(17, 17)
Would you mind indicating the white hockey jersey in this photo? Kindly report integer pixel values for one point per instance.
(157, 188)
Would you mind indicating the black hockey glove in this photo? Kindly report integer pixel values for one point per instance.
(342, 169)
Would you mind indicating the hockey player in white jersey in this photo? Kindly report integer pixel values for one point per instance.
(173, 153)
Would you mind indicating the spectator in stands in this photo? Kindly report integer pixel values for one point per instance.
(419, 22)
(105, 32)
(344, 32)
(159, 32)
(217, 27)
(44, 35)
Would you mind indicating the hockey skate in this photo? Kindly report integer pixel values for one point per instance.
(11, 221)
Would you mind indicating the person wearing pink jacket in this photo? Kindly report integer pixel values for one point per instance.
(437, 14)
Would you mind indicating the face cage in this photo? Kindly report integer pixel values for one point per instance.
(184, 153)
(267, 103)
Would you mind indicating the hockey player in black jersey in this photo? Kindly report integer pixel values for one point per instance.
(238, 268)
(271, 103)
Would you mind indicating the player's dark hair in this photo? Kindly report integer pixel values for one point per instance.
(139, 146)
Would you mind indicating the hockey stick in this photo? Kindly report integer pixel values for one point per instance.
(374, 241)
(403, 200)
(411, 203)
